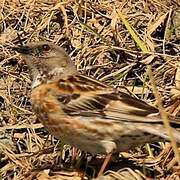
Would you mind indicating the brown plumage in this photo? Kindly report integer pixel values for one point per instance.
(84, 112)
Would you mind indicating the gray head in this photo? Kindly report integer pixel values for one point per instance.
(46, 60)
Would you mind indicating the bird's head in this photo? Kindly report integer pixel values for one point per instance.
(46, 60)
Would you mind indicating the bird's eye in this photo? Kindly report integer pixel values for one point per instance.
(46, 47)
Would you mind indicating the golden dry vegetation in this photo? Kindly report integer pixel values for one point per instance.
(110, 40)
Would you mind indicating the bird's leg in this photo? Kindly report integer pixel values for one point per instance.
(103, 167)
(74, 155)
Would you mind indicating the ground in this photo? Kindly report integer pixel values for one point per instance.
(112, 41)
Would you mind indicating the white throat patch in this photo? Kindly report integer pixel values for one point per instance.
(39, 79)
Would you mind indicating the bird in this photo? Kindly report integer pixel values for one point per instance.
(84, 112)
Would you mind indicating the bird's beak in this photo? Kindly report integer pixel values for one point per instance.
(22, 49)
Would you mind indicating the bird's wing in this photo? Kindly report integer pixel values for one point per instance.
(82, 96)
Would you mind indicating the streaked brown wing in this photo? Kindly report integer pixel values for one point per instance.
(83, 96)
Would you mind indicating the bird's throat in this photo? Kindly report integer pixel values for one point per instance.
(46, 77)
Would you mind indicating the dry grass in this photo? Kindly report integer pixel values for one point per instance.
(102, 46)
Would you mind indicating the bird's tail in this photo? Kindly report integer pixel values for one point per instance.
(162, 132)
